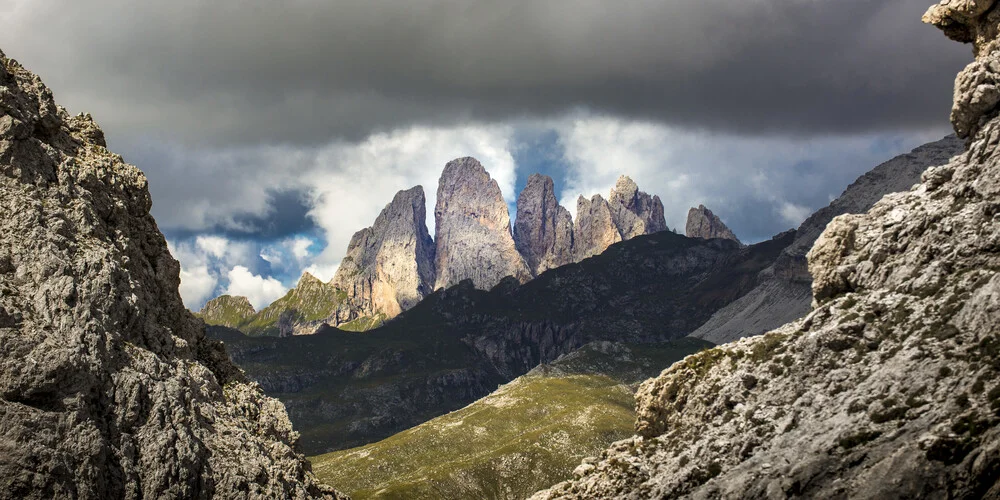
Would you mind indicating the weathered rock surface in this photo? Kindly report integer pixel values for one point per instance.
(784, 294)
(472, 228)
(108, 386)
(889, 387)
(595, 229)
(543, 230)
(626, 214)
(227, 310)
(303, 309)
(702, 223)
(389, 267)
(635, 213)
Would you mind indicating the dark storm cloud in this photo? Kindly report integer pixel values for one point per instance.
(304, 71)
(286, 215)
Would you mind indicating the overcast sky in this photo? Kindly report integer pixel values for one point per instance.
(273, 130)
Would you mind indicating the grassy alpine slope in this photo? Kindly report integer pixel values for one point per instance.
(527, 434)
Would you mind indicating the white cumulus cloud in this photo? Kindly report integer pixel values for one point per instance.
(259, 290)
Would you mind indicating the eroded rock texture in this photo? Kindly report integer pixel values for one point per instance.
(108, 387)
(626, 214)
(702, 223)
(889, 387)
(595, 229)
(472, 228)
(543, 231)
(389, 267)
(635, 213)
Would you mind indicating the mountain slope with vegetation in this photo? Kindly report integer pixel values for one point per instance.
(527, 434)
(301, 311)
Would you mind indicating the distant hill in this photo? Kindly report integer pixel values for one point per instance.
(301, 311)
(526, 435)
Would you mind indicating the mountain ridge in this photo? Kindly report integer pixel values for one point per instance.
(393, 264)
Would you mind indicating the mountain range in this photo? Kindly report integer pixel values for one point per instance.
(459, 343)
(394, 264)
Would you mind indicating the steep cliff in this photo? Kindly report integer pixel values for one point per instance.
(472, 228)
(389, 267)
(108, 387)
(543, 230)
(595, 229)
(889, 387)
(634, 212)
(702, 223)
(627, 213)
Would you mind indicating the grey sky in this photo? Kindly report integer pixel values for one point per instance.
(271, 130)
(303, 71)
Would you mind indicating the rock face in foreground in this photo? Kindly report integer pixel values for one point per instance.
(543, 231)
(472, 227)
(890, 386)
(109, 388)
(702, 223)
(784, 293)
(227, 310)
(389, 267)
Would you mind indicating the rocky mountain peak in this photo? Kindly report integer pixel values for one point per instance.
(389, 266)
(626, 191)
(307, 280)
(472, 227)
(543, 230)
(635, 213)
(702, 223)
(227, 310)
(110, 388)
(595, 228)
